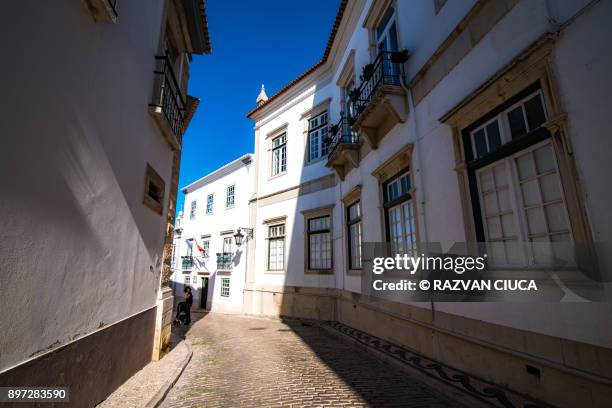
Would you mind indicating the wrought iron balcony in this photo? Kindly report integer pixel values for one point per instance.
(380, 102)
(343, 147)
(224, 261)
(169, 106)
(187, 262)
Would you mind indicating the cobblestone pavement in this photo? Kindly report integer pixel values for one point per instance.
(252, 362)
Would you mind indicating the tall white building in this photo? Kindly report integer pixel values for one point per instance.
(206, 256)
(458, 121)
(91, 148)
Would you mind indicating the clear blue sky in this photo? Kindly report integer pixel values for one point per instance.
(253, 42)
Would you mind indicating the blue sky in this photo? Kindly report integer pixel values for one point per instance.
(253, 42)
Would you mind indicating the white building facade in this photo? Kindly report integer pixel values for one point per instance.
(449, 122)
(206, 256)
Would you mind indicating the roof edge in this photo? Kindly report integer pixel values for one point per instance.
(245, 159)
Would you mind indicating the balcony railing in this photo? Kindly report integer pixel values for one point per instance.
(169, 98)
(385, 70)
(224, 261)
(187, 262)
(339, 133)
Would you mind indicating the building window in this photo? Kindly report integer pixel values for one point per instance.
(399, 210)
(206, 247)
(192, 211)
(353, 221)
(519, 196)
(229, 199)
(514, 122)
(227, 245)
(319, 243)
(279, 154)
(209, 203)
(154, 190)
(187, 280)
(276, 247)
(225, 287)
(386, 32)
(317, 135)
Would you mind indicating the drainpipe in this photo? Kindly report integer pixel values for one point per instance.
(417, 150)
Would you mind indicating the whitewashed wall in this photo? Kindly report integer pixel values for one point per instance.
(440, 218)
(79, 251)
(222, 219)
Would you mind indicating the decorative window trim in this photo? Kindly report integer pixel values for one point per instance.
(348, 70)
(314, 111)
(530, 67)
(277, 131)
(396, 163)
(353, 195)
(325, 211)
(153, 178)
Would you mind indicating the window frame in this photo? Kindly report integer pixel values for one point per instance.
(269, 240)
(193, 208)
(224, 288)
(206, 247)
(508, 153)
(153, 178)
(309, 233)
(280, 148)
(349, 223)
(321, 130)
(389, 204)
(210, 203)
(229, 205)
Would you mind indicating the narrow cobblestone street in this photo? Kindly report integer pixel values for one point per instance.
(242, 361)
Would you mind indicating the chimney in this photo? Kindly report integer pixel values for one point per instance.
(262, 97)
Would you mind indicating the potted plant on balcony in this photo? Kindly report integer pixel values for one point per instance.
(366, 72)
(400, 57)
(332, 131)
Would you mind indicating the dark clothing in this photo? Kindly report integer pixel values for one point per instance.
(188, 302)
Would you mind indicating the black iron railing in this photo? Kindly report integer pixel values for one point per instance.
(187, 262)
(385, 70)
(224, 261)
(169, 97)
(339, 133)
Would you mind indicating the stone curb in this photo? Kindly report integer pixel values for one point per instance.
(160, 395)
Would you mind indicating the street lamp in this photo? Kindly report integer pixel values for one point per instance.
(239, 236)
